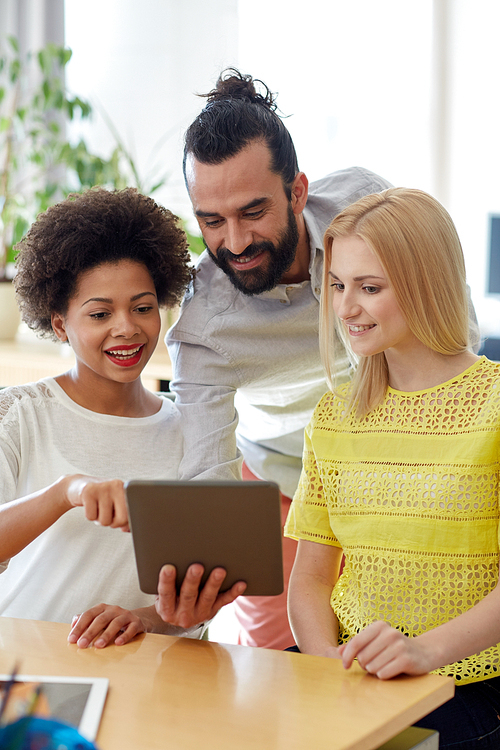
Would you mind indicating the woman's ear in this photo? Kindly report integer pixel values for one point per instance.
(58, 326)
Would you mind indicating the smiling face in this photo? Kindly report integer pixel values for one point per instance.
(248, 223)
(112, 323)
(364, 300)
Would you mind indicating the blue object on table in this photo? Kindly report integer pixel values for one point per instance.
(32, 732)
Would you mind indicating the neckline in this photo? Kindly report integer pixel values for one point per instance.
(67, 401)
(482, 359)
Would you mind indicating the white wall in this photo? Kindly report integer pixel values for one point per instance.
(143, 62)
(355, 76)
(475, 142)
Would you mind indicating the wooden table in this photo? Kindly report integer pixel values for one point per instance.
(176, 694)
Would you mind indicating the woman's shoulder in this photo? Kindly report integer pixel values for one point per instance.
(487, 371)
(168, 409)
(332, 405)
(28, 395)
(476, 388)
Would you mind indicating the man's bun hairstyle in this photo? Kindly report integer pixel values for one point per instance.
(239, 110)
(232, 84)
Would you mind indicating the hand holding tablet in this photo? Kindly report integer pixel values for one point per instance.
(194, 604)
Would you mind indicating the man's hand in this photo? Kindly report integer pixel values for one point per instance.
(386, 652)
(103, 500)
(192, 606)
(105, 624)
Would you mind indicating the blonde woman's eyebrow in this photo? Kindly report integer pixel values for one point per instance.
(359, 278)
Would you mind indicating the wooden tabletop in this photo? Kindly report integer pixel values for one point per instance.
(176, 694)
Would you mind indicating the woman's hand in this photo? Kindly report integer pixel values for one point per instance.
(102, 499)
(385, 652)
(22, 520)
(105, 624)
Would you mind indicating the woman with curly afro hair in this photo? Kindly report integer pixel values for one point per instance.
(94, 271)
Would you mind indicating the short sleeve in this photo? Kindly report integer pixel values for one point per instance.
(308, 517)
(9, 449)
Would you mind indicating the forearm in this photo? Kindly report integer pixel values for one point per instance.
(209, 433)
(205, 384)
(313, 622)
(24, 519)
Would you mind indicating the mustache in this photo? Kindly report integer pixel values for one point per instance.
(223, 254)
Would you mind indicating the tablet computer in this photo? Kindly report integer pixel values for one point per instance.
(78, 701)
(235, 525)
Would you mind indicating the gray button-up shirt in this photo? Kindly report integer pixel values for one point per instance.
(247, 370)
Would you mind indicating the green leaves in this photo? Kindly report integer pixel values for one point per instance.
(13, 42)
(38, 165)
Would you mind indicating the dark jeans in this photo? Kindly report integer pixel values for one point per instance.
(470, 720)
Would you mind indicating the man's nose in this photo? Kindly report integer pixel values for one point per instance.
(237, 238)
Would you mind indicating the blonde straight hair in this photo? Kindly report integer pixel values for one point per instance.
(417, 244)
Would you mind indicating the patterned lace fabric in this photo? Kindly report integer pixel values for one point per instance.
(411, 495)
(38, 392)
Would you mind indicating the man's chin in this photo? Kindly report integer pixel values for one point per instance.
(249, 283)
(253, 281)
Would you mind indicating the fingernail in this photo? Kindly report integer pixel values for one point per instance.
(72, 638)
(99, 643)
(82, 643)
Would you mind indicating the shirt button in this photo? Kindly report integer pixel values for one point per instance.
(289, 288)
(317, 290)
(283, 301)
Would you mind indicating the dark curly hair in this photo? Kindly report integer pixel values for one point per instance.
(83, 231)
(235, 115)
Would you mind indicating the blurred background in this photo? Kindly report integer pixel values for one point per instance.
(406, 88)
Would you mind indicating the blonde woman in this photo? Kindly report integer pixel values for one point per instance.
(401, 468)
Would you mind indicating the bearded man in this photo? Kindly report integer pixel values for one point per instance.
(247, 369)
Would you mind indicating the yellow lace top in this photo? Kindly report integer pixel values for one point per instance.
(410, 493)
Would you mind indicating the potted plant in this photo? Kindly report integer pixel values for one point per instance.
(38, 164)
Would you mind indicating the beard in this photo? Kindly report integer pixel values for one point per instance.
(266, 276)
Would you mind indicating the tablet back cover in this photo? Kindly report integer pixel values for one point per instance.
(235, 525)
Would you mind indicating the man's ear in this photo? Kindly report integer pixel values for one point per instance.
(58, 326)
(300, 187)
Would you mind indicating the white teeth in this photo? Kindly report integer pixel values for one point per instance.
(243, 260)
(358, 329)
(124, 353)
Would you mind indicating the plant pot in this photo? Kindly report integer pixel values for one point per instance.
(9, 312)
